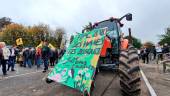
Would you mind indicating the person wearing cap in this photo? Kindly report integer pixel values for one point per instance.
(12, 58)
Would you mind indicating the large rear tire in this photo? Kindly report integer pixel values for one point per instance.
(129, 72)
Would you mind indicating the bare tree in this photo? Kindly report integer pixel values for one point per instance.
(4, 21)
(60, 35)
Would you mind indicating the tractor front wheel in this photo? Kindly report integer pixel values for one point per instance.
(129, 72)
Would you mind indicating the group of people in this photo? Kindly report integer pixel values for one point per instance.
(28, 57)
(156, 51)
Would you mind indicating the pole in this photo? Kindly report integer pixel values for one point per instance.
(130, 36)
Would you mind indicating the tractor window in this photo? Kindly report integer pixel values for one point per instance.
(111, 27)
(113, 33)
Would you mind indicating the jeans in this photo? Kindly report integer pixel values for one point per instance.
(3, 62)
(0, 62)
(11, 63)
(27, 62)
(38, 62)
(45, 61)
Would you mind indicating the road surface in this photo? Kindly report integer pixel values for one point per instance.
(160, 81)
(29, 82)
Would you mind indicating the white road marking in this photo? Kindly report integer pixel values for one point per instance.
(150, 88)
(4, 78)
(8, 77)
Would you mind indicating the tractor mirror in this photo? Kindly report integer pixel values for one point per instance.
(129, 17)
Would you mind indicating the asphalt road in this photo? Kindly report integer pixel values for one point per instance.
(160, 81)
(29, 82)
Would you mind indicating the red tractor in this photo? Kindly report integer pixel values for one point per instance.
(118, 55)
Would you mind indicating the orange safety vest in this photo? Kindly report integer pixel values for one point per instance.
(107, 44)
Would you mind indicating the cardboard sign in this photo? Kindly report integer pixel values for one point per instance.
(77, 66)
(19, 41)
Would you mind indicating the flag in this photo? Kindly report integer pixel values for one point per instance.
(51, 46)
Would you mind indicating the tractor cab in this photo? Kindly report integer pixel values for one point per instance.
(110, 51)
(109, 56)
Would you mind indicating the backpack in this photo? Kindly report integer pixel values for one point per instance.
(26, 54)
(45, 51)
(1, 53)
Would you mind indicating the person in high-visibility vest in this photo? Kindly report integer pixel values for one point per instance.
(124, 42)
(106, 45)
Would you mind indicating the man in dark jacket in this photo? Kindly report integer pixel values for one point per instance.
(27, 57)
(52, 57)
(45, 56)
(12, 58)
(165, 48)
(146, 52)
(147, 55)
(154, 52)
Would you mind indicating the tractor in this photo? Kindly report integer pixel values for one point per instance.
(117, 55)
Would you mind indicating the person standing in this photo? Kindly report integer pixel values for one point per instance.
(52, 57)
(147, 51)
(12, 59)
(1, 56)
(38, 57)
(6, 54)
(139, 52)
(142, 53)
(57, 56)
(154, 52)
(45, 56)
(21, 58)
(26, 56)
(30, 58)
(33, 52)
(165, 48)
(159, 52)
(145, 56)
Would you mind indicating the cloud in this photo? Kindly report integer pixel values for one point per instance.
(150, 17)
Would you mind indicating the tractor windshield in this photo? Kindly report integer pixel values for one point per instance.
(113, 33)
(112, 27)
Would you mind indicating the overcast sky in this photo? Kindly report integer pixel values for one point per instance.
(150, 17)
